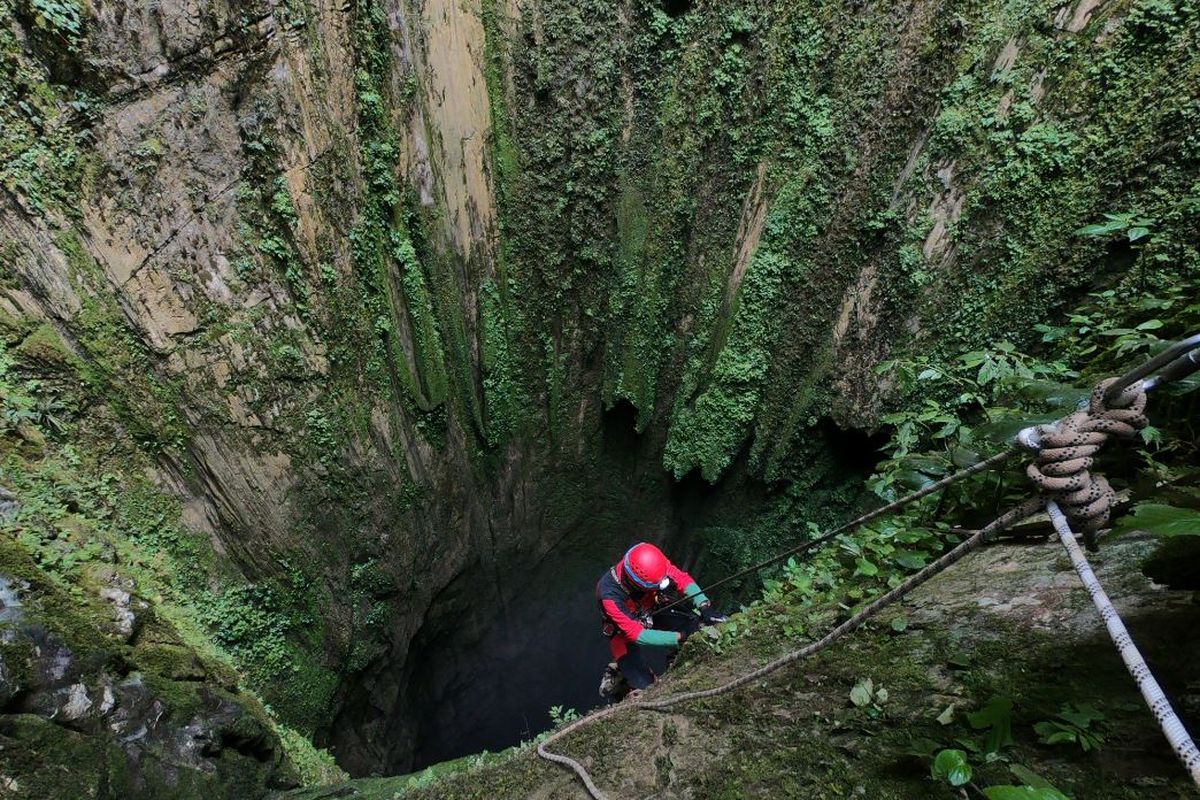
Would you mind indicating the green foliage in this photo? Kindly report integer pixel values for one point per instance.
(1161, 520)
(954, 396)
(951, 766)
(707, 431)
(1133, 226)
(315, 767)
(869, 697)
(996, 719)
(1074, 724)
(44, 127)
(60, 17)
(560, 715)
(877, 557)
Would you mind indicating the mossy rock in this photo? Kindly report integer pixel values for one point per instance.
(94, 716)
(44, 349)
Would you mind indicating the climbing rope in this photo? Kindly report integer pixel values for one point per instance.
(567, 761)
(853, 524)
(1064, 455)
(1065, 452)
(1167, 719)
(1004, 521)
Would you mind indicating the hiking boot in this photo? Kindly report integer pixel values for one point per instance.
(613, 685)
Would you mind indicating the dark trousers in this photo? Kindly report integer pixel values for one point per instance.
(634, 664)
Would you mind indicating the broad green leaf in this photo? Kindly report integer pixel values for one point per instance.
(1099, 229)
(865, 568)
(909, 559)
(952, 766)
(996, 716)
(1137, 233)
(1082, 715)
(963, 457)
(900, 624)
(1150, 325)
(1027, 776)
(861, 694)
(1161, 520)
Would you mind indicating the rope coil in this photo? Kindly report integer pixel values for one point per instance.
(1065, 452)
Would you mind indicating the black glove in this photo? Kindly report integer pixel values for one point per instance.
(711, 616)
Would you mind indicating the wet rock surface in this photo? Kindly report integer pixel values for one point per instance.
(362, 281)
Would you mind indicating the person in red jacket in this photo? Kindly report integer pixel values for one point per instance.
(630, 594)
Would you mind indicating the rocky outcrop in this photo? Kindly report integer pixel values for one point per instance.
(100, 698)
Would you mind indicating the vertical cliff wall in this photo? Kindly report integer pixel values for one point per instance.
(357, 281)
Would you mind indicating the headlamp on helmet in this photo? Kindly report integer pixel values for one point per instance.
(646, 567)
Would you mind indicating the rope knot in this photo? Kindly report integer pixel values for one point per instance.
(1066, 449)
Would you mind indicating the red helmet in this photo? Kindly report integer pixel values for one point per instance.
(646, 567)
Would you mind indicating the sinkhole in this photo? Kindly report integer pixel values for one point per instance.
(504, 642)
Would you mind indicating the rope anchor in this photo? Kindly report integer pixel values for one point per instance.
(1065, 452)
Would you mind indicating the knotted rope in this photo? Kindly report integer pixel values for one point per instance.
(1066, 449)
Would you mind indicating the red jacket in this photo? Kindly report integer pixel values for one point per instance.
(621, 609)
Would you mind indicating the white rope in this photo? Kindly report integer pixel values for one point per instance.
(1172, 727)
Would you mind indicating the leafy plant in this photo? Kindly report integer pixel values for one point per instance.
(1074, 724)
(1034, 787)
(1130, 223)
(561, 715)
(61, 17)
(951, 766)
(1161, 520)
(718, 639)
(996, 719)
(867, 696)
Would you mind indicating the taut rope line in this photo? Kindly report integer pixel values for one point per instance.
(804, 547)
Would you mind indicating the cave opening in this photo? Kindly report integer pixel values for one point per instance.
(512, 635)
(676, 8)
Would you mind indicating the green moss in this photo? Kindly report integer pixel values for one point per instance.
(45, 347)
(41, 155)
(32, 743)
